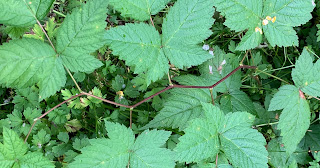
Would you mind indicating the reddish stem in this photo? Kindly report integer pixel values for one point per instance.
(142, 101)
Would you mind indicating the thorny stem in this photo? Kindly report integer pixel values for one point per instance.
(144, 100)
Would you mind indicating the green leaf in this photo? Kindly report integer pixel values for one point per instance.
(138, 10)
(117, 83)
(318, 33)
(205, 137)
(275, 18)
(13, 146)
(237, 101)
(252, 39)
(295, 117)
(187, 24)
(281, 35)
(34, 66)
(201, 135)
(243, 146)
(182, 105)
(278, 155)
(305, 74)
(240, 14)
(147, 151)
(41, 138)
(121, 146)
(37, 160)
(80, 34)
(312, 138)
(139, 45)
(25, 16)
(63, 136)
(289, 12)
(58, 116)
(25, 98)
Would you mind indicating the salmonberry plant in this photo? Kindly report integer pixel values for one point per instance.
(159, 83)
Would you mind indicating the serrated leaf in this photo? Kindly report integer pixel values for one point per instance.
(58, 116)
(243, 146)
(182, 105)
(237, 101)
(41, 138)
(13, 146)
(278, 155)
(305, 74)
(275, 18)
(35, 66)
(187, 24)
(252, 39)
(289, 12)
(37, 160)
(25, 16)
(80, 34)
(201, 137)
(312, 138)
(147, 151)
(25, 98)
(240, 14)
(139, 10)
(115, 152)
(295, 117)
(139, 45)
(63, 136)
(281, 35)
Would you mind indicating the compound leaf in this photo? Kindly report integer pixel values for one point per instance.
(295, 117)
(187, 24)
(139, 45)
(22, 64)
(240, 14)
(121, 146)
(139, 10)
(35, 159)
(80, 34)
(25, 16)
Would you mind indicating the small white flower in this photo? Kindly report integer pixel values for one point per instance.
(223, 62)
(211, 53)
(313, 3)
(39, 145)
(24, 124)
(123, 86)
(265, 22)
(210, 69)
(220, 67)
(206, 47)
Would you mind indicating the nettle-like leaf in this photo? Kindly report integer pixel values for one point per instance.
(184, 105)
(122, 149)
(26, 62)
(140, 45)
(273, 18)
(80, 34)
(22, 64)
(295, 117)
(231, 133)
(306, 74)
(13, 153)
(138, 10)
(29, 11)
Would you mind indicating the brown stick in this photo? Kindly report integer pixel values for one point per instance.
(142, 101)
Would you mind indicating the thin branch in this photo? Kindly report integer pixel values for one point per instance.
(151, 21)
(44, 114)
(74, 81)
(245, 55)
(211, 93)
(131, 109)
